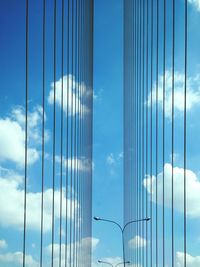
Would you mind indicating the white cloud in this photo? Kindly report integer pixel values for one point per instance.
(195, 3)
(193, 93)
(137, 242)
(12, 204)
(192, 189)
(75, 89)
(34, 122)
(191, 261)
(113, 160)
(110, 159)
(97, 95)
(121, 155)
(82, 164)
(16, 259)
(84, 247)
(3, 244)
(12, 136)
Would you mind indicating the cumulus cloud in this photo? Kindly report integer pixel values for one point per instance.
(191, 261)
(193, 93)
(73, 93)
(12, 136)
(137, 242)
(3, 244)
(195, 3)
(192, 188)
(16, 259)
(84, 247)
(82, 164)
(12, 204)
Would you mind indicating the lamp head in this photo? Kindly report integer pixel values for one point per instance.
(97, 218)
(99, 261)
(148, 219)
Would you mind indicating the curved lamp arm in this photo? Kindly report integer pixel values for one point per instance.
(110, 221)
(126, 262)
(105, 262)
(135, 221)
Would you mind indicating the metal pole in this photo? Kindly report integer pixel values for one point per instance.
(123, 244)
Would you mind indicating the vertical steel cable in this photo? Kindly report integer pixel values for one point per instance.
(61, 132)
(124, 102)
(173, 60)
(157, 68)
(147, 80)
(143, 116)
(185, 131)
(137, 129)
(67, 134)
(164, 55)
(26, 136)
(131, 112)
(71, 145)
(78, 132)
(43, 128)
(75, 130)
(151, 135)
(136, 121)
(54, 136)
(80, 139)
(140, 132)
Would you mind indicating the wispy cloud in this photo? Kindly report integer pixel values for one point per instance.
(97, 95)
(112, 161)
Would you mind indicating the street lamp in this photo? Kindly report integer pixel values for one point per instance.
(105, 262)
(122, 230)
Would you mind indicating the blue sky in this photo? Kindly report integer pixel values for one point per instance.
(108, 126)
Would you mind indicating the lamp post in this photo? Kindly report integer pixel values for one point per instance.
(105, 262)
(122, 229)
